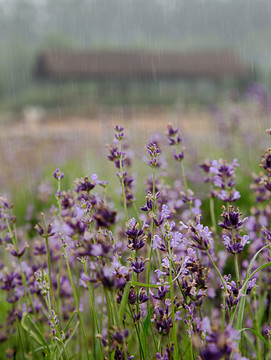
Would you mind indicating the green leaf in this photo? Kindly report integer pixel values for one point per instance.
(260, 268)
(37, 336)
(147, 323)
(253, 347)
(262, 307)
(71, 335)
(73, 356)
(241, 308)
(41, 348)
(69, 322)
(259, 336)
(124, 301)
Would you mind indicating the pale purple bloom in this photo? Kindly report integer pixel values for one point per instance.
(251, 284)
(165, 263)
(96, 250)
(235, 245)
(58, 174)
(165, 213)
(159, 273)
(229, 197)
(176, 239)
(156, 242)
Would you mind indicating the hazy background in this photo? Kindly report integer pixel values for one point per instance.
(46, 124)
(29, 26)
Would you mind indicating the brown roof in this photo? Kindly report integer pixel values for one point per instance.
(67, 65)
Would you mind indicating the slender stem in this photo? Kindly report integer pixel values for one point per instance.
(92, 301)
(225, 288)
(136, 211)
(212, 213)
(145, 339)
(122, 185)
(236, 267)
(48, 303)
(258, 326)
(110, 318)
(191, 345)
(93, 309)
(217, 270)
(76, 302)
(150, 254)
(26, 288)
(174, 334)
(48, 259)
(186, 187)
(19, 335)
(152, 229)
(61, 260)
(58, 280)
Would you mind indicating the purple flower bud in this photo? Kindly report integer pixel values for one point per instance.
(58, 174)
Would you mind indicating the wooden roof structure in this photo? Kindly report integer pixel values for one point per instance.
(98, 65)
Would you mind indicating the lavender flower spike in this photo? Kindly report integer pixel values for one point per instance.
(58, 174)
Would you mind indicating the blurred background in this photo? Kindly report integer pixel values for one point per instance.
(71, 69)
(30, 27)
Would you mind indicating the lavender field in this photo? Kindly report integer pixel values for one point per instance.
(149, 239)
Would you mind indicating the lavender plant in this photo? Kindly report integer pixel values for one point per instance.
(128, 281)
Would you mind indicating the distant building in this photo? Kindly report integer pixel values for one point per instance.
(139, 65)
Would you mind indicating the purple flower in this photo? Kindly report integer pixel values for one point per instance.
(16, 252)
(231, 219)
(58, 174)
(165, 213)
(251, 284)
(223, 177)
(229, 197)
(236, 244)
(162, 320)
(136, 239)
(161, 292)
(154, 152)
(85, 185)
(143, 296)
(119, 132)
(267, 331)
(157, 243)
(178, 156)
(138, 265)
(176, 239)
(53, 321)
(199, 236)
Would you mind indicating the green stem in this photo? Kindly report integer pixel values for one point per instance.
(225, 288)
(26, 288)
(110, 318)
(136, 211)
(48, 302)
(48, 258)
(236, 268)
(191, 346)
(93, 310)
(141, 352)
(76, 302)
(58, 280)
(122, 185)
(61, 256)
(19, 335)
(174, 334)
(212, 213)
(152, 229)
(186, 187)
(258, 326)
